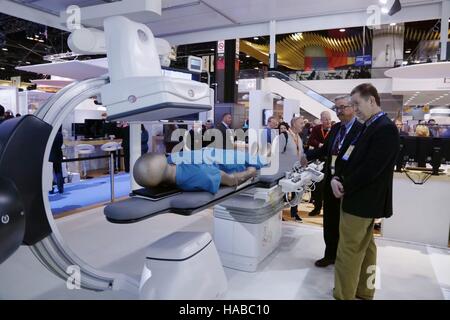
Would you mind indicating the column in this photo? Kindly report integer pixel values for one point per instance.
(273, 63)
(227, 70)
(444, 29)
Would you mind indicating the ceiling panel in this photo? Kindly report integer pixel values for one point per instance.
(179, 23)
(55, 6)
(248, 11)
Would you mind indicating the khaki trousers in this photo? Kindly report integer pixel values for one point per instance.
(354, 274)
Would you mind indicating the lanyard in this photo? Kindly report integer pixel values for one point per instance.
(324, 136)
(296, 141)
(340, 140)
(366, 125)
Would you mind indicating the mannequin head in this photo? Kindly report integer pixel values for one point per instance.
(150, 170)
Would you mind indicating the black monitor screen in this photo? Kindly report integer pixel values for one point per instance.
(445, 149)
(78, 129)
(94, 128)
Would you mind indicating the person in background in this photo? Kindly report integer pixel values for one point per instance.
(225, 128)
(2, 113)
(9, 115)
(284, 130)
(291, 143)
(433, 127)
(332, 151)
(445, 132)
(272, 124)
(123, 131)
(422, 131)
(306, 132)
(399, 125)
(316, 140)
(56, 157)
(209, 124)
(245, 125)
(144, 140)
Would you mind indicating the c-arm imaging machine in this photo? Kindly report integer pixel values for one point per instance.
(134, 90)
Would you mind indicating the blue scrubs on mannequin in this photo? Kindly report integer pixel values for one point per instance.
(200, 169)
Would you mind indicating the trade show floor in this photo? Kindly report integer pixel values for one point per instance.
(88, 192)
(407, 271)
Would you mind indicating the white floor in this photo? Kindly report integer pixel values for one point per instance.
(407, 271)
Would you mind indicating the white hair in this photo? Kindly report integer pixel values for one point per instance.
(346, 97)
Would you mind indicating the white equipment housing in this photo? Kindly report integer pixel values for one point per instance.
(137, 91)
(183, 265)
(247, 229)
(298, 179)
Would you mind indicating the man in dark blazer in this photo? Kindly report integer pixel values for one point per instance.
(316, 140)
(225, 129)
(334, 147)
(364, 183)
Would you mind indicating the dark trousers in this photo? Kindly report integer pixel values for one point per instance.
(317, 196)
(331, 217)
(58, 176)
(294, 211)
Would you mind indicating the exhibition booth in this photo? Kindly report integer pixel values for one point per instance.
(133, 87)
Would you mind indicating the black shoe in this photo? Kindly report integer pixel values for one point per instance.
(297, 218)
(324, 262)
(315, 212)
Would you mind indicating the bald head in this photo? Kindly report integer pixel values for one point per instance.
(325, 118)
(149, 169)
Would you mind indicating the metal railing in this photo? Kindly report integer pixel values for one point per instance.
(300, 86)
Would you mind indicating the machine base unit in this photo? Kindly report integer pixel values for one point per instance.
(183, 266)
(242, 243)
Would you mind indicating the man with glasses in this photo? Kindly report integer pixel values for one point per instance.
(340, 137)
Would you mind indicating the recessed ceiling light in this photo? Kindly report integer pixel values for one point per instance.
(28, 62)
(256, 68)
(5, 49)
(2, 68)
(445, 94)
(342, 30)
(260, 62)
(247, 56)
(255, 38)
(212, 49)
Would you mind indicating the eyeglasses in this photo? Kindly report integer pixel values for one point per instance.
(341, 107)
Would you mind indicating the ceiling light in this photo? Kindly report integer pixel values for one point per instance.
(2, 68)
(260, 62)
(41, 40)
(28, 62)
(255, 38)
(5, 49)
(392, 24)
(408, 51)
(445, 94)
(256, 68)
(342, 30)
(212, 49)
(247, 56)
